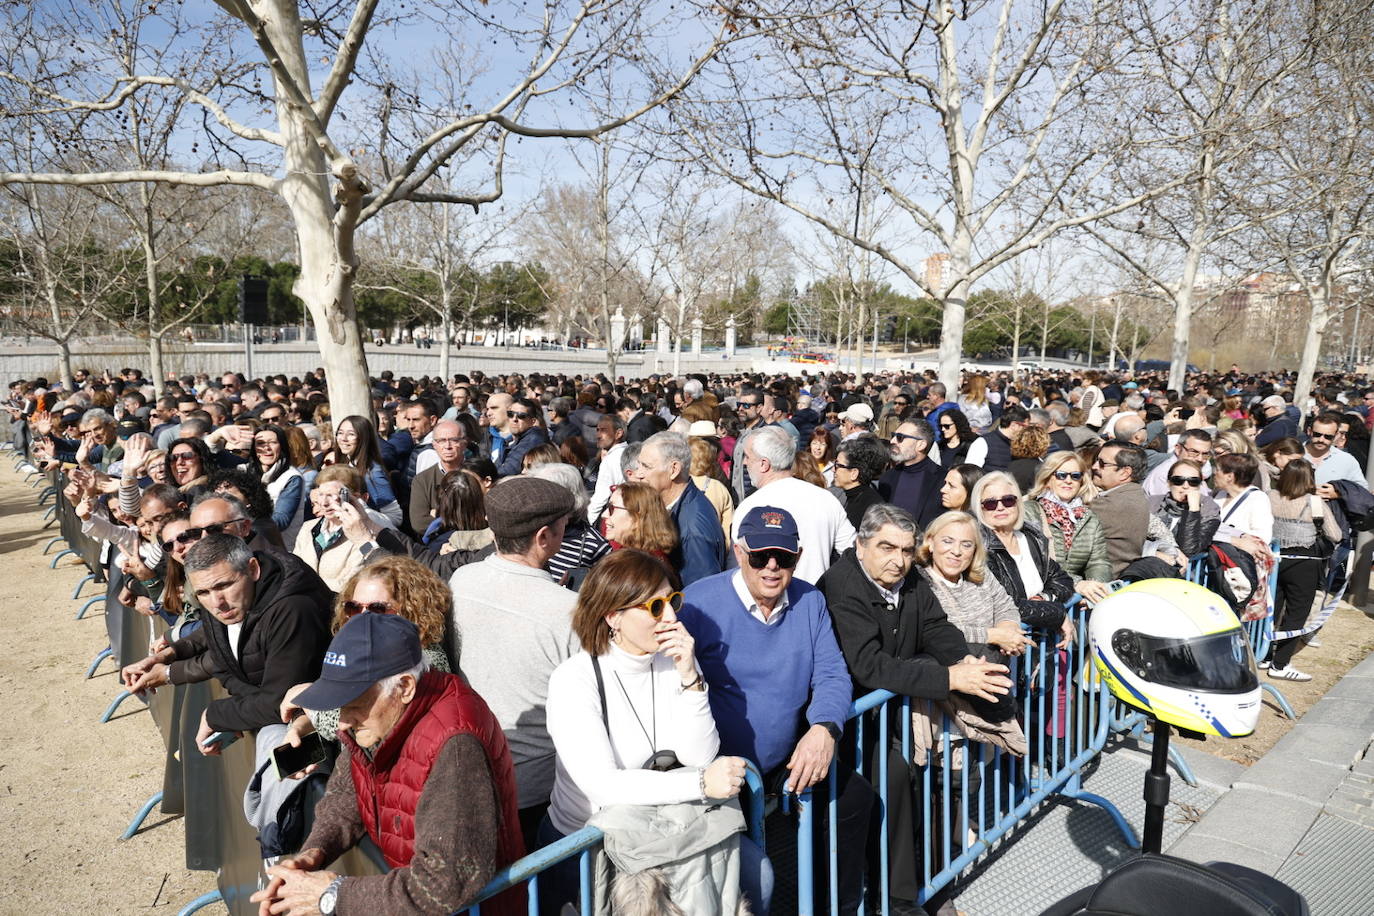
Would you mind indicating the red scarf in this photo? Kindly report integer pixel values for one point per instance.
(1065, 518)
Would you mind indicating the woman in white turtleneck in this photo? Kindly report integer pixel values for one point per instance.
(651, 703)
(655, 700)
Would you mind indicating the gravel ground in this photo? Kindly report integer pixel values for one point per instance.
(68, 784)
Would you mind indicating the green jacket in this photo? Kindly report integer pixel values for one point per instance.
(1088, 557)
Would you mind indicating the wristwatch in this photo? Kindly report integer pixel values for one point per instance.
(330, 898)
(835, 731)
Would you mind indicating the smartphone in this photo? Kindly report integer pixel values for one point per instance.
(288, 759)
(223, 739)
(345, 495)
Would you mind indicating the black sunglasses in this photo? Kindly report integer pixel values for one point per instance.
(846, 467)
(353, 608)
(1068, 475)
(758, 559)
(515, 415)
(993, 502)
(1322, 436)
(902, 437)
(195, 534)
(1181, 481)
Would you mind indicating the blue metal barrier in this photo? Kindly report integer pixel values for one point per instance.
(959, 824)
(584, 844)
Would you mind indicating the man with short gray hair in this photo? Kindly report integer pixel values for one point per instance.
(895, 636)
(665, 463)
(914, 483)
(265, 630)
(768, 454)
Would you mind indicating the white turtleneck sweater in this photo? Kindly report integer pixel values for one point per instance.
(595, 769)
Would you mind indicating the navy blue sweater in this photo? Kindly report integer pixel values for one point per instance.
(767, 683)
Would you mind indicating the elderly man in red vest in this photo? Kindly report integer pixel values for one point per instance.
(425, 772)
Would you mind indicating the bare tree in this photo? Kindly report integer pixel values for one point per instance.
(952, 111)
(268, 83)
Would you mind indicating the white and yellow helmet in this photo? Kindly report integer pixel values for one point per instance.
(1176, 650)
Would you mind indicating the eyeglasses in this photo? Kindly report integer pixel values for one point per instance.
(758, 559)
(1180, 481)
(1202, 454)
(265, 444)
(612, 509)
(1099, 463)
(1068, 475)
(195, 534)
(844, 467)
(946, 425)
(750, 404)
(902, 403)
(186, 537)
(1327, 436)
(184, 456)
(353, 608)
(660, 603)
(516, 415)
(902, 437)
(1006, 502)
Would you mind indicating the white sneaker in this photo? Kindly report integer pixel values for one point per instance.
(1289, 674)
(1264, 664)
(1313, 641)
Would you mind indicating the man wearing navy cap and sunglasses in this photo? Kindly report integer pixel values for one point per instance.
(766, 647)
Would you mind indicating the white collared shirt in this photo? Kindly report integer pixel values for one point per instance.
(752, 606)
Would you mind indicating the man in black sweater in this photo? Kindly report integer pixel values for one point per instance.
(894, 636)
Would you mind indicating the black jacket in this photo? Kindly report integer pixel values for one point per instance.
(856, 501)
(906, 650)
(915, 488)
(281, 644)
(1058, 585)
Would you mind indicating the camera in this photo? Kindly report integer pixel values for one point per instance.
(662, 761)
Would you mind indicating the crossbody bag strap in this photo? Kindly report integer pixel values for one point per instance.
(1235, 504)
(601, 690)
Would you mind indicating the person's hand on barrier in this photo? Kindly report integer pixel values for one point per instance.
(293, 889)
(206, 731)
(811, 759)
(358, 527)
(130, 673)
(126, 595)
(724, 777)
(73, 492)
(1068, 631)
(1093, 591)
(1008, 637)
(978, 678)
(157, 676)
(144, 605)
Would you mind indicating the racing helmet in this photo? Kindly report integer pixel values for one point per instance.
(1176, 651)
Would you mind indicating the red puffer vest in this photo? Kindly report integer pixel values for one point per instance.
(389, 785)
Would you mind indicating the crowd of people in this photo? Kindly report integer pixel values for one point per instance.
(514, 606)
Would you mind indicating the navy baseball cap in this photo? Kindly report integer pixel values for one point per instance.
(768, 527)
(366, 649)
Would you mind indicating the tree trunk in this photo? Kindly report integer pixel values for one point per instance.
(1312, 343)
(952, 334)
(1116, 331)
(325, 229)
(156, 374)
(1045, 334)
(445, 347)
(64, 356)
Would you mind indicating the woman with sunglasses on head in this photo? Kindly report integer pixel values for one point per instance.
(1018, 555)
(1305, 530)
(271, 461)
(1057, 504)
(955, 436)
(636, 518)
(629, 714)
(357, 445)
(1190, 514)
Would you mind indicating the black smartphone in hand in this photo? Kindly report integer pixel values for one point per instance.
(288, 759)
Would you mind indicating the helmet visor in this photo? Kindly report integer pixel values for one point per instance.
(1221, 662)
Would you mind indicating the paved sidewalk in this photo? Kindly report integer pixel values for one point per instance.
(1304, 812)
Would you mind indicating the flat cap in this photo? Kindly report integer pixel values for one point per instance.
(520, 506)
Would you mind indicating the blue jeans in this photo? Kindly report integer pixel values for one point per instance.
(561, 883)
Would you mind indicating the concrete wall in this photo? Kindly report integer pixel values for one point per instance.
(18, 361)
